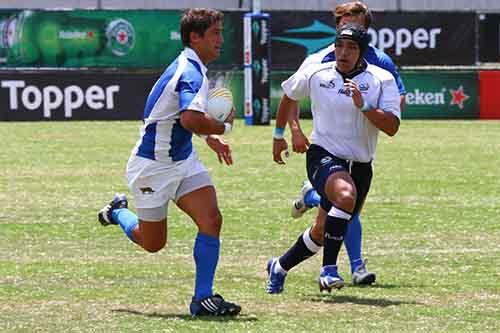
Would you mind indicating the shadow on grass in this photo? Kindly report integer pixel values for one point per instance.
(339, 299)
(240, 317)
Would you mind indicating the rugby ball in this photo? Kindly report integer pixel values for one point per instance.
(220, 103)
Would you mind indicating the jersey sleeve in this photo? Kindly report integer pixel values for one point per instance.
(389, 97)
(296, 86)
(189, 88)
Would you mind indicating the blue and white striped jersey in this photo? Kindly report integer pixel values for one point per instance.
(182, 86)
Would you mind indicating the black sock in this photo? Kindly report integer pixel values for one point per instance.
(299, 252)
(335, 228)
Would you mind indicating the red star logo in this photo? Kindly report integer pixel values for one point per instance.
(458, 97)
(122, 37)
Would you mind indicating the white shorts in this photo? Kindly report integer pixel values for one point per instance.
(153, 184)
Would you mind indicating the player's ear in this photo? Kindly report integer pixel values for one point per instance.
(194, 37)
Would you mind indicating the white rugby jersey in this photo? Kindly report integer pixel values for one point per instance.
(182, 86)
(338, 125)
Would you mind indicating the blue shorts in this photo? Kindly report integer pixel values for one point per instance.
(321, 164)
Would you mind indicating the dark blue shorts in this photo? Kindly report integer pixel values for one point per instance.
(321, 164)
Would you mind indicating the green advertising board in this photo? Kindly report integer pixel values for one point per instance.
(235, 82)
(441, 95)
(430, 94)
(88, 38)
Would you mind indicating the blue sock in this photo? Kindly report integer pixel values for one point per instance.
(352, 242)
(312, 199)
(126, 219)
(206, 256)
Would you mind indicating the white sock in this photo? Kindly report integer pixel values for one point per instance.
(279, 269)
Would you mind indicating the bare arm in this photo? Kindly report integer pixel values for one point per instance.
(384, 121)
(285, 108)
(300, 142)
(202, 124)
(387, 122)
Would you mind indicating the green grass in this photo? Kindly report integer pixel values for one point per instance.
(431, 233)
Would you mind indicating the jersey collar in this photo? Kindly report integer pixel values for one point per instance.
(360, 69)
(191, 54)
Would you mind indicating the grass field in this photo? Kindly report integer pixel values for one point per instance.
(431, 233)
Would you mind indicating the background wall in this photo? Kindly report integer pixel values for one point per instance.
(479, 5)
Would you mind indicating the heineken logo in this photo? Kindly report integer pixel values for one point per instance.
(455, 96)
(458, 97)
(120, 37)
(76, 34)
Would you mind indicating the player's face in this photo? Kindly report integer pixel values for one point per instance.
(347, 53)
(357, 20)
(209, 45)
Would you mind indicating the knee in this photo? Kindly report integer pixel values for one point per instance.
(211, 224)
(345, 200)
(155, 246)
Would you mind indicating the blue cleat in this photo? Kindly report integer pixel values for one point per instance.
(329, 278)
(213, 305)
(105, 214)
(275, 281)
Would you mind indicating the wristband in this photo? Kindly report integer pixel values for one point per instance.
(366, 107)
(227, 128)
(278, 133)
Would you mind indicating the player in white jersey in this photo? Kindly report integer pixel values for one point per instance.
(350, 101)
(164, 166)
(350, 12)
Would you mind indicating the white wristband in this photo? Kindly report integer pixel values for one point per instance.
(227, 128)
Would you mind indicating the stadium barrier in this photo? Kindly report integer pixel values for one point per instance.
(121, 95)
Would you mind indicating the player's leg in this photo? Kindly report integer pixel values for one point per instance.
(307, 199)
(362, 175)
(196, 197)
(339, 197)
(149, 230)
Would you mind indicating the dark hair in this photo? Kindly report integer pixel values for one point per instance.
(198, 20)
(355, 33)
(353, 8)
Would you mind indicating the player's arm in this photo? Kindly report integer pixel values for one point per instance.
(385, 116)
(300, 142)
(202, 124)
(295, 88)
(279, 142)
(385, 121)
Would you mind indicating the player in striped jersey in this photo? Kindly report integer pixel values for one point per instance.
(164, 165)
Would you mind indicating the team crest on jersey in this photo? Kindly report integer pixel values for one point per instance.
(328, 85)
(364, 87)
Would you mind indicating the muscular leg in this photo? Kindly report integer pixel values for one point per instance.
(201, 206)
(341, 193)
(150, 235)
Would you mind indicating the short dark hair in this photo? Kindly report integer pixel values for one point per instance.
(198, 20)
(353, 8)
